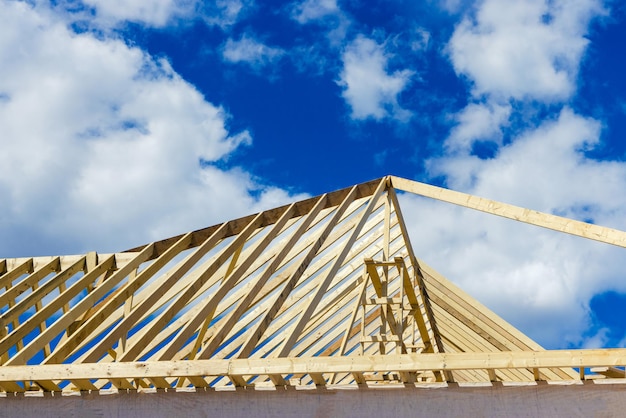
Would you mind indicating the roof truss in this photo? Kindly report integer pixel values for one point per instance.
(322, 291)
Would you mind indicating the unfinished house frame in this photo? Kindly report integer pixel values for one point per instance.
(322, 294)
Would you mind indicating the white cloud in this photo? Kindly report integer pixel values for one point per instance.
(224, 13)
(150, 12)
(369, 90)
(523, 50)
(598, 340)
(326, 13)
(159, 13)
(250, 51)
(477, 121)
(420, 39)
(551, 161)
(540, 280)
(455, 6)
(310, 10)
(102, 144)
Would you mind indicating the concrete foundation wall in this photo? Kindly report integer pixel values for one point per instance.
(591, 399)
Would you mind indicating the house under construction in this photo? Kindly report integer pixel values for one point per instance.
(317, 308)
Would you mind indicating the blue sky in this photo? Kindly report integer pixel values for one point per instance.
(123, 122)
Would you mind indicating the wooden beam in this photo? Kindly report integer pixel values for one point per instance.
(610, 372)
(427, 314)
(66, 260)
(298, 365)
(505, 210)
(420, 316)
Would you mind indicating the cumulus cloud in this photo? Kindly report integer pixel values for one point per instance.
(105, 147)
(368, 88)
(250, 51)
(523, 50)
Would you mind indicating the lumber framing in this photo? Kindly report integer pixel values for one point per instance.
(324, 291)
(318, 365)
